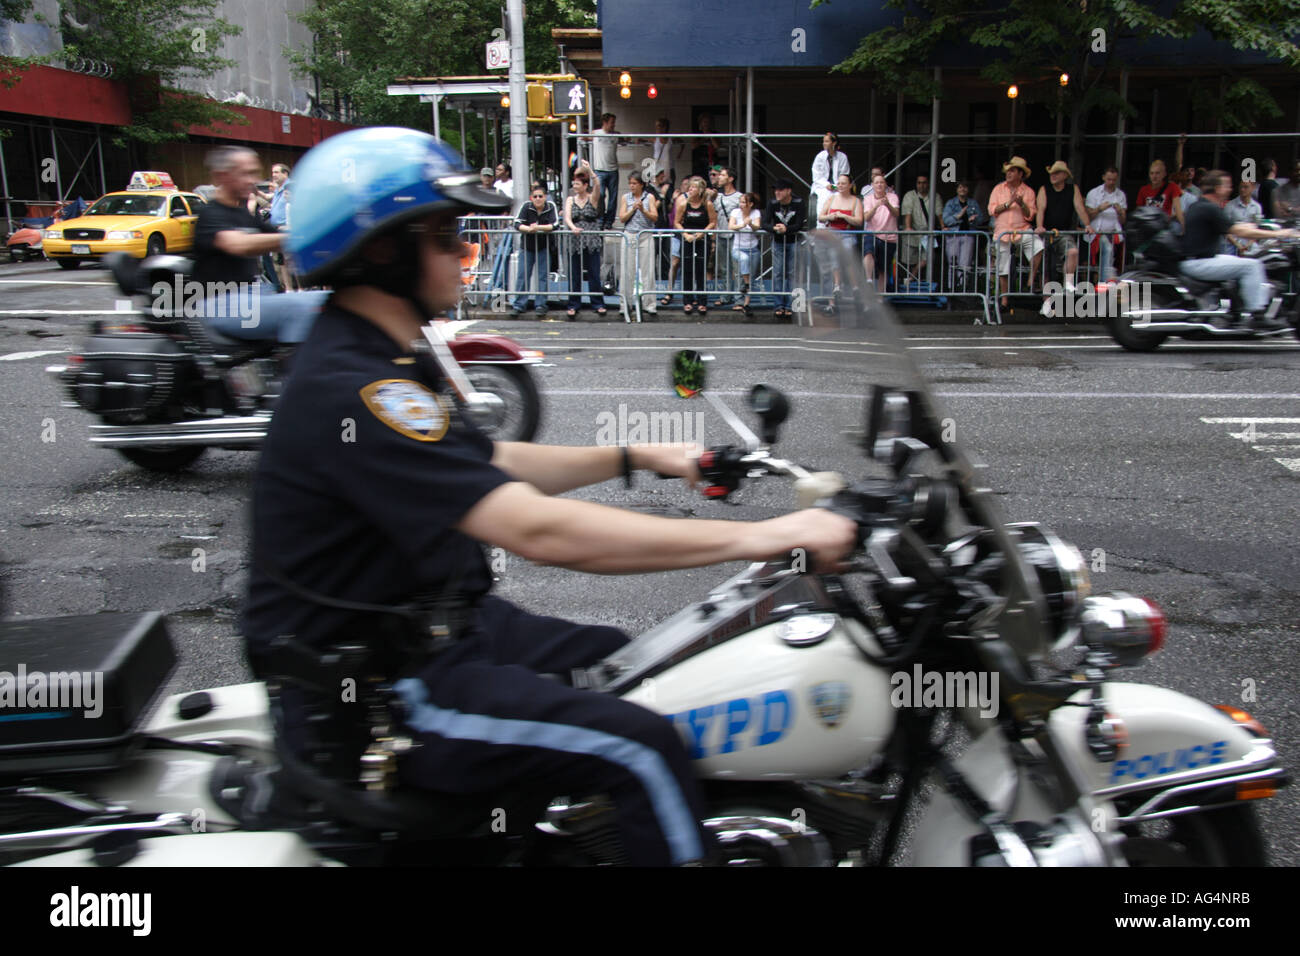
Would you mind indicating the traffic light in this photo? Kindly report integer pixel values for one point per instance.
(539, 101)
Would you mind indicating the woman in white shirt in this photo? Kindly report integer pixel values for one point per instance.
(746, 223)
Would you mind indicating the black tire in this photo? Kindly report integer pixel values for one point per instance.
(1122, 331)
(68, 263)
(13, 255)
(156, 246)
(515, 386)
(164, 459)
(1229, 836)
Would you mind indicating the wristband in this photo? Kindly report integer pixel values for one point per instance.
(627, 466)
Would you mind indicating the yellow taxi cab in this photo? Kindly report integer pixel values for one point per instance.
(151, 216)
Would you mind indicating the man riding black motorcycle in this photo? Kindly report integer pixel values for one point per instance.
(1207, 224)
(374, 489)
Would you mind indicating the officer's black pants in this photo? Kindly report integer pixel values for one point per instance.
(487, 721)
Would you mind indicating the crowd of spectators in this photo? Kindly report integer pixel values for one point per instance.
(707, 225)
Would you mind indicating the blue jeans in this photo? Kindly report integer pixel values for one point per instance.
(253, 311)
(608, 194)
(1249, 273)
(782, 269)
(541, 261)
(1106, 256)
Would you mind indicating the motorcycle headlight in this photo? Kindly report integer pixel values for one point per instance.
(1062, 576)
(53, 234)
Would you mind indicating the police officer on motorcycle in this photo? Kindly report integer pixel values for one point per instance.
(373, 489)
(1207, 223)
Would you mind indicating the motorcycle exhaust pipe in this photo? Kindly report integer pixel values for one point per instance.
(1176, 327)
(245, 432)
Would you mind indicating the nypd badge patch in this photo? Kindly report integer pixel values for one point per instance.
(830, 701)
(408, 407)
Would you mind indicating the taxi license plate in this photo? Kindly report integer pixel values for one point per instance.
(81, 250)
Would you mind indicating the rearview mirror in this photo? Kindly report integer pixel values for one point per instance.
(889, 417)
(772, 408)
(688, 372)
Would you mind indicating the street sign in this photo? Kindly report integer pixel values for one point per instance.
(498, 55)
(569, 97)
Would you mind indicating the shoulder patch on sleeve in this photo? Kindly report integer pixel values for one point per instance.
(408, 408)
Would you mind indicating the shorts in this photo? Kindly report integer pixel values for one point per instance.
(1025, 240)
(1061, 246)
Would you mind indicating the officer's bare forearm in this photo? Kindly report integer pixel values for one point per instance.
(235, 243)
(555, 469)
(585, 536)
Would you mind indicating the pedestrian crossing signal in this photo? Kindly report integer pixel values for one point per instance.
(570, 97)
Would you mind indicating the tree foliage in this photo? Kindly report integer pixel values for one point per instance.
(152, 46)
(363, 45)
(1031, 42)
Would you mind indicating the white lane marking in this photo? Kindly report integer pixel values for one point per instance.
(60, 311)
(1251, 435)
(454, 326)
(58, 281)
(19, 356)
(1072, 396)
(558, 346)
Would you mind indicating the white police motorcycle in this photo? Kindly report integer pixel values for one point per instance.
(956, 655)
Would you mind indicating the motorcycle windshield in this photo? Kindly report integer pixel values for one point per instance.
(851, 353)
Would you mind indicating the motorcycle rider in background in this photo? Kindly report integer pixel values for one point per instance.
(1206, 225)
(229, 242)
(399, 509)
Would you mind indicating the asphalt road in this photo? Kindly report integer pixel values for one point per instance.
(1148, 464)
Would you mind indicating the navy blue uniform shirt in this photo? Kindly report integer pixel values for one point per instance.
(365, 470)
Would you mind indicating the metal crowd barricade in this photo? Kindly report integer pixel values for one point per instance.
(491, 238)
(924, 266)
(726, 282)
(1047, 281)
(494, 283)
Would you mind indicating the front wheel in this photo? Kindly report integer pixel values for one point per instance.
(156, 246)
(1229, 836)
(521, 410)
(164, 459)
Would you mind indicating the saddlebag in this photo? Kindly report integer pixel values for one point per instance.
(127, 377)
(74, 691)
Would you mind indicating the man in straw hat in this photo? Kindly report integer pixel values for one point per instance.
(1012, 206)
(1058, 205)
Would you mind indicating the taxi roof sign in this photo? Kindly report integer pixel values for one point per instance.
(146, 179)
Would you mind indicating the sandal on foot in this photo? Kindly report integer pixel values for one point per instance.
(689, 309)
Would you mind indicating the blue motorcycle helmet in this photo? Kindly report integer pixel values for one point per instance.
(366, 183)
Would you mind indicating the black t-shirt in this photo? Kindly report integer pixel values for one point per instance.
(210, 263)
(366, 468)
(1266, 190)
(1206, 224)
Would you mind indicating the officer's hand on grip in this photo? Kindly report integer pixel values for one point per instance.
(826, 537)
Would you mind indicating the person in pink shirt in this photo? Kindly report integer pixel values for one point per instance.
(1012, 206)
(880, 213)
